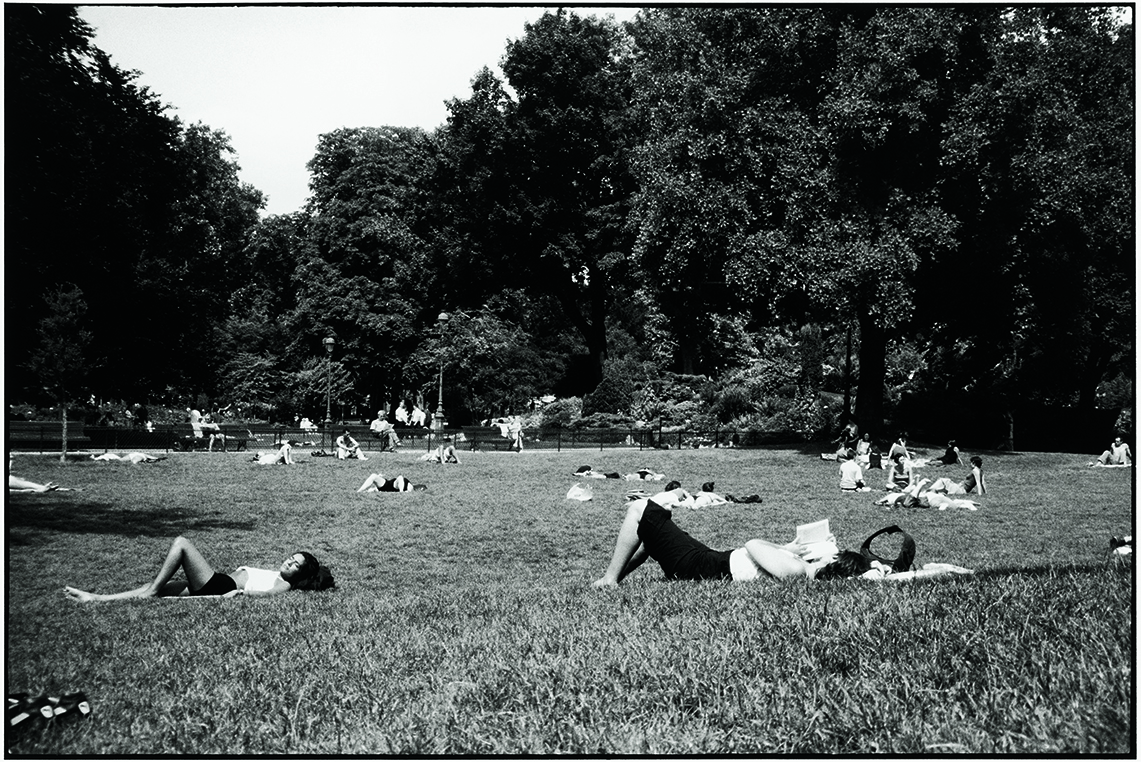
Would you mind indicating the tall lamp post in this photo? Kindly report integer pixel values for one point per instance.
(438, 422)
(328, 342)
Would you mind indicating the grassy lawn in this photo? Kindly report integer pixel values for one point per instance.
(463, 621)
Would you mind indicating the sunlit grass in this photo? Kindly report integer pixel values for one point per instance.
(463, 621)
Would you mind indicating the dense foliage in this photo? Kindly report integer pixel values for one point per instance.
(784, 201)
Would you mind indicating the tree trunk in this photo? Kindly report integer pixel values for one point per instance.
(873, 368)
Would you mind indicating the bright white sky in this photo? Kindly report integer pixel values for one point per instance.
(275, 78)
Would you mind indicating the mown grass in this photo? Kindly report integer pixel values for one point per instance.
(464, 623)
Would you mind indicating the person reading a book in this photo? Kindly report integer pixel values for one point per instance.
(648, 531)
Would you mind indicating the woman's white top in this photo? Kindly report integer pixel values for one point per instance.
(260, 580)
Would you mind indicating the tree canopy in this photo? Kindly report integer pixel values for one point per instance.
(720, 192)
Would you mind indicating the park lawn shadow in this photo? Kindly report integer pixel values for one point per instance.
(30, 515)
(1055, 570)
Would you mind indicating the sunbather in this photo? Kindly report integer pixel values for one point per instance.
(132, 457)
(445, 452)
(648, 531)
(284, 456)
(975, 482)
(377, 483)
(301, 571)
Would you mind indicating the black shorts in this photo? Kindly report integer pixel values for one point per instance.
(679, 555)
(219, 584)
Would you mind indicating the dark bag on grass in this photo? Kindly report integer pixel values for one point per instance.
(906, 553)
(874, 460)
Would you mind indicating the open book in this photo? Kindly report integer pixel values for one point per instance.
(817, 540)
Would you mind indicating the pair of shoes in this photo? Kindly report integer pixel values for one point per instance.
(25, 712)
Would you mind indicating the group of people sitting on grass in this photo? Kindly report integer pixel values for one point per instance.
(902, 475)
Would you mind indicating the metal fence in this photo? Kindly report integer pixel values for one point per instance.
(45, 436)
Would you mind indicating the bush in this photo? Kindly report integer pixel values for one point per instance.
(603, 421)
(615, 393)
(560, 414)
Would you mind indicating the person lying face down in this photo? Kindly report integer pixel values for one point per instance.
(648, 531)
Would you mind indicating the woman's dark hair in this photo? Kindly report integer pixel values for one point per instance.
(977, 461)
(312, 575)
(848, 563)
(707, 487)
(673, 485)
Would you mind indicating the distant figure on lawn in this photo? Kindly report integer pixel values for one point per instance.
(132, 457)
(899, 447)
(377, 483)
(901, 474)
(851, 476)
(950, 457)
(418, 416)
(445, 452)
(515, 433)
(347, 447)
(301, 571)
(1118, 454)
(975, 482)
(283, 456)
(648, 531)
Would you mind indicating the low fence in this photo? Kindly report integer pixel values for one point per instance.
(45, 436)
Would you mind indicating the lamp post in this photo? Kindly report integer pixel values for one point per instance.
(438, 421)
(328, 342)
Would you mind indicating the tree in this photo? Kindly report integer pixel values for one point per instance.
(59, 361)
(537, 188)
(1039, 161)
(362, 272)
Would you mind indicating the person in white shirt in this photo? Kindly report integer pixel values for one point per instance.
(851, 476)
(301, 571)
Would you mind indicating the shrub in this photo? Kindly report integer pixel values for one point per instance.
(603, 421)
(614, 394)
(560, 414)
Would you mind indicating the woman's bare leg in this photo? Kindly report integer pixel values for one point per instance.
(626, 557)
(182, 555)
(374, 481)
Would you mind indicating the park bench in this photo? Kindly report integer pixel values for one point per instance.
(45, 435)
(185, 438)
(480, 437)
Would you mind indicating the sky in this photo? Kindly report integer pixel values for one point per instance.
(275, 78)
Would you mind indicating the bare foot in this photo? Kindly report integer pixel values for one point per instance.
(79, 595)
(604, 582)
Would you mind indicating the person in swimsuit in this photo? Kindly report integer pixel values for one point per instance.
(377, 483)
(301, 571)
(648, 531)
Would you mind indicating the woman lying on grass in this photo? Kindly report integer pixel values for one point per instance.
(648, 531)
(301, 571)
(377, 483)
(284, 456)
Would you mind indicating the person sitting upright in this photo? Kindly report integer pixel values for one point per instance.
(950, 457)
(1118, 454)
(901, 474)
(851, 477)
(347, 447)
(384, 431)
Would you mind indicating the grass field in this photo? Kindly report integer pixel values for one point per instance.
(463, 621)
